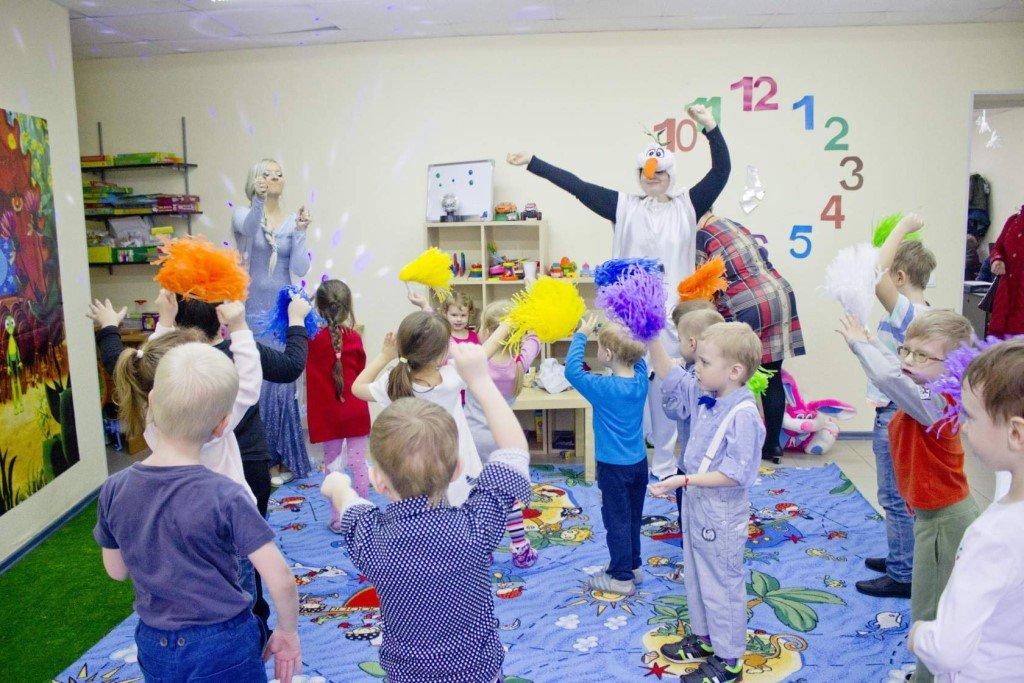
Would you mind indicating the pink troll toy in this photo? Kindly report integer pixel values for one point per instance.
(811, 427)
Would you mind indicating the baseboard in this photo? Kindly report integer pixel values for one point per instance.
(16, 556)
(854, 436)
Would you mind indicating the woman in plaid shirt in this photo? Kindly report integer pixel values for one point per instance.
(759, 296)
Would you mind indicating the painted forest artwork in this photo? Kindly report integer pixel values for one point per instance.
(37, 430)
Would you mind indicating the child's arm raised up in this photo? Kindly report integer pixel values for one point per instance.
(246, 358)
(109, 339)
(287, 366)
(388, 352)
(577, 376)
(886, 290)
(471, 363)
(497, 339)
(661, 362)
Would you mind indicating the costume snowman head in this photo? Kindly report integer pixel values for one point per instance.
(652, 161)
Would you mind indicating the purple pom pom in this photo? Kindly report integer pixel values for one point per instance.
(611, 270)
(274, 323)
(637, 300)
(951, 383)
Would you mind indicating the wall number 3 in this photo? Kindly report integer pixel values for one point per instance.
(800, 234)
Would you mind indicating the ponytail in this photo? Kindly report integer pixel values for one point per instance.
(400, 382)
(422, 340)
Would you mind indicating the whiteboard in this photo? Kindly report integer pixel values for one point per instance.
(471, 181)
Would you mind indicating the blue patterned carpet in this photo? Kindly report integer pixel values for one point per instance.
(809, 535)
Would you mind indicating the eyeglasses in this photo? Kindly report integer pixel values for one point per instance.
(917, 357)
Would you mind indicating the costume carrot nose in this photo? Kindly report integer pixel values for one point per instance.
(650, 166)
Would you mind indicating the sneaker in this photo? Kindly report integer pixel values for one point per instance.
(689, 649)
(875, 564)
(525, 557)
(884, 587)
(609, 584)
(715, 670)
(638, 575)
(281, 479)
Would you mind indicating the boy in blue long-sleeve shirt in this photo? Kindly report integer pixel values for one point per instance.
(618, 400)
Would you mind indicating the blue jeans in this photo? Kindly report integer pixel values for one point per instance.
(623, 489)
(899, 524)
(223, 653)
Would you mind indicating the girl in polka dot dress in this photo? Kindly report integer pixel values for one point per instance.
(421, 347)
(430, 562)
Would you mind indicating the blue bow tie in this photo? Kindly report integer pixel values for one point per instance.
(707, 401)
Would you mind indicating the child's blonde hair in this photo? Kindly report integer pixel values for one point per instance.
(694, 323)
(134, 373)
(737, 343)
(422, 339)
(415, 444)
(458, 298)
(194, 389)
(940, 324)
(996, 376)
(684, 307)
(621, 343)
(490, 319)
(916, 260)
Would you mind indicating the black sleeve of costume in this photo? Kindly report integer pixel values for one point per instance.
(600, 200)
(705, 192)
(284, 367)
(111, 346)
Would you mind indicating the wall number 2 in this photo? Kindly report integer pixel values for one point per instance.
(800, 234)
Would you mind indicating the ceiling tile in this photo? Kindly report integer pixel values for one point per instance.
(270, 20)
(136, 49)
(175, 26)
(89, 31)
(113, 8)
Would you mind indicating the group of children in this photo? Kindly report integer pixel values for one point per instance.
(451, 458)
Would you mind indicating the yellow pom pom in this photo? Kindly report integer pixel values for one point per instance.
(551, 308)
(432, 268)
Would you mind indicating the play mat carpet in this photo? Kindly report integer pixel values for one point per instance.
(810, 531)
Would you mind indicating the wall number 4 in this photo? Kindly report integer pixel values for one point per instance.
(833, 211)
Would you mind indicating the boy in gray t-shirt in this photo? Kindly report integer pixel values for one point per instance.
(175, 528)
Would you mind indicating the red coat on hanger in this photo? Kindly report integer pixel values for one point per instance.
(1008, 304)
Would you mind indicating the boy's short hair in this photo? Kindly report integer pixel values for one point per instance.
(695, 322)
(415, 443)
(621, 343)
(737, 343)
(194, 389)
(996, 376)
(916, 260)
(684, 307)
(196, 314)
(941, 324)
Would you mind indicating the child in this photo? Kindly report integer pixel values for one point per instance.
(722, 457)
(421, 347)
(928, 458)
(507, 371)
(905, 268)
(430, 562)
(175, 527)
(976, 633)
(691, 319)
(337, 419)
(457, 309)
(618, 400)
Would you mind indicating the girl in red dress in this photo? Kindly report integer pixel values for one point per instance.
(337, 419)
(1008, 263)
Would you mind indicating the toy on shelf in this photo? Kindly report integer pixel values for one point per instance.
(449, 204)
(530, 212)
(811, 427)
(505, 211)
(509, 274)
(568, 267)
(555, 270)
(585, 271)
(476, 270)
(458, 264)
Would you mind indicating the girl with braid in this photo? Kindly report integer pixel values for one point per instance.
(337, 419)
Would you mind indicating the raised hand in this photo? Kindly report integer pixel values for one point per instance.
(852, 329)
(298, 309)
(260, 186)
(104, 315)
(519, 158)
(167, 307)
(702, 115)
(389, 349)
(231, 314)
(470, 361)
(302, 219)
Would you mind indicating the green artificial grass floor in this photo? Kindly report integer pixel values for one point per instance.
(57, 602)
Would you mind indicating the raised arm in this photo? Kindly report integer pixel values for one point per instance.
(471, 363)
(661, 362)
(600, 200)
(361, 385)
(886, 290)
(300, 258)
(496, 340)
(706, 191)
(577, 376)
(286, 367)
(246, 358)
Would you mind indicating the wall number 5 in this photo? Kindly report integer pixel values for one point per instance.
(800, 233)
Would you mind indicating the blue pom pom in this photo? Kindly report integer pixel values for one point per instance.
(273, 324)
(611, 270)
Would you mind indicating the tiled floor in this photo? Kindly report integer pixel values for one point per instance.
(858, 462)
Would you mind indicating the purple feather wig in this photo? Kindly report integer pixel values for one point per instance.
(637, 300)
(951, 382)
(611, 270)
(274, 323)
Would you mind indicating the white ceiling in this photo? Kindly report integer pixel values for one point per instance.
(125, 28)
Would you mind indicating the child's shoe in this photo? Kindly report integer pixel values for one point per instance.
(609, 584)
(691, 648)
(715, 670)
(524, 556)
(638, 575)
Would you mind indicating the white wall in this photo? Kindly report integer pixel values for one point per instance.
(357, 124)
(1002, 165)
(36, 78)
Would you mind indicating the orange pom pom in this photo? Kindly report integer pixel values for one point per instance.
(195, 267)
(705, 281)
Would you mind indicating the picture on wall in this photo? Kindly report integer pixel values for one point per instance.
(37, 429)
